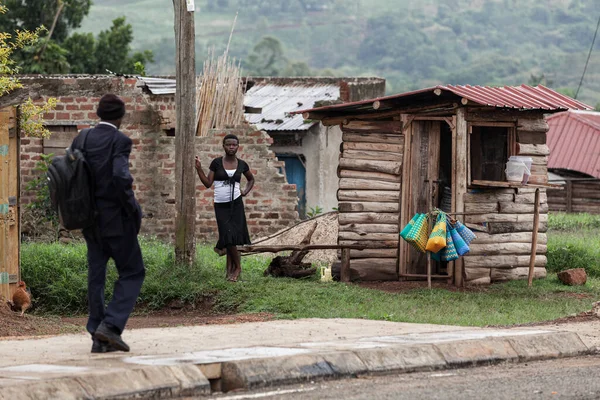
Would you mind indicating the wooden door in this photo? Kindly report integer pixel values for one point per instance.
(9, 204)
(423, 168)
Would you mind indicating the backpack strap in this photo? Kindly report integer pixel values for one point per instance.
(83, 135)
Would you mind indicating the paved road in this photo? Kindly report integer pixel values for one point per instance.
(572, 378)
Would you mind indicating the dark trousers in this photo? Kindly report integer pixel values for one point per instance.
(125, 251)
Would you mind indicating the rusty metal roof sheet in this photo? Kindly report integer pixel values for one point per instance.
(159, 85)
(516, 97)
(574, 141)
(273, 104)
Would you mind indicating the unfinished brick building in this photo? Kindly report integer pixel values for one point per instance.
(150, 122)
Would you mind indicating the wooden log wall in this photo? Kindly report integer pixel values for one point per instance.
(531, 142)
(370, 171)
(502, 252)
(576, 197)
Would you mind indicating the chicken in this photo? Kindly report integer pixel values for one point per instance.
(21, 299)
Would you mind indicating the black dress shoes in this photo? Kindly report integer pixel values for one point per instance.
(99, 346)
(109, 334)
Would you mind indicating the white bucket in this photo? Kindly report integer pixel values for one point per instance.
(528, 161)
(515, 170)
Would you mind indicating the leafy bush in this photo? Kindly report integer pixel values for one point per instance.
(569, 250)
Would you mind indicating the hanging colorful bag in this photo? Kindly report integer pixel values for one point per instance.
(449, 253)
(417, 235)
(464, 232)
(460, 245)
(409, 226)
(437, 256)
(437, 238)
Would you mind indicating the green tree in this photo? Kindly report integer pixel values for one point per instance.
(113, 47)
(267, 58)
(31, 14)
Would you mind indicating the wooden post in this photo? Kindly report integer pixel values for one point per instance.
(185, 132)
(536, 222)
(345, 269)
(569, 196)
(427, 255)
(459, 184)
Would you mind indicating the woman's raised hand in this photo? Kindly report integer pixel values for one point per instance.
(198, 164)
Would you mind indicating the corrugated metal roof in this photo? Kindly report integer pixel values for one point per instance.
(574, 141)
(159, 85)
(516, 97)
(273, 102)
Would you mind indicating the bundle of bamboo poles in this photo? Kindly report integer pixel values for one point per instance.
(219, 94)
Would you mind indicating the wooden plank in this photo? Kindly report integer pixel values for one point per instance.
(387, 167)
(487, 197)
(532, 149)
(348, 136)
(535, 181)
(520, 208)
(368, 206)
(367, 184)
(395, 148)
(532, 125)
(531, 137)
(374, 253)
(502, 261)
(539, 160)
(14, 232)
(369, 228)
(367, 218)
(536, 225)
(403, 201)
(476, 219)
(378, 176)
(507, 227)
(511, 274)
(5, 166)
(372, 155)
(373, 269)
(569, 196)
(368, 195)
(519, 237)
(373, 244)
(366, 236)
(529, 198)
(481, 207)
(491, 249)
(345, 270)
(374, 126)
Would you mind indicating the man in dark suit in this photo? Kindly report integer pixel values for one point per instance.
(118, 223)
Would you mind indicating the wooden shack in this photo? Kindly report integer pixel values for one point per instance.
(458, 138)
(574, 142)
(9, 204)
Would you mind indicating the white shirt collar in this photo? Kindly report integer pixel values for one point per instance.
(107, 123)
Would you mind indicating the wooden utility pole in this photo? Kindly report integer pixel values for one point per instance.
(185, 132)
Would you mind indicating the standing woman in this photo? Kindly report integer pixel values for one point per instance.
(226, 174)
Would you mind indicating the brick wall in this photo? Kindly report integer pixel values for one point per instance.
(270, 206)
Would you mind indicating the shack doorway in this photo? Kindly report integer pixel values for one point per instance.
(431, 161)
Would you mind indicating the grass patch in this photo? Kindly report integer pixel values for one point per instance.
(573, 242)
(57, 276)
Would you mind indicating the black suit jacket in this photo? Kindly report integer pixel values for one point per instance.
(107, 152)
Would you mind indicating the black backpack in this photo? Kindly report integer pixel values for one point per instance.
(71, 185)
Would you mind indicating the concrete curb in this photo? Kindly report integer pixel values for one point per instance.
(258, 373)
(138, 383)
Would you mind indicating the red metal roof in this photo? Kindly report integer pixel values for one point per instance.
(517, 97)
(574, 141)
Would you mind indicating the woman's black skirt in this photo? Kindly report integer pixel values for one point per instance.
(231, 220)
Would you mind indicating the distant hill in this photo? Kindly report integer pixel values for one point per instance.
(412, 43)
